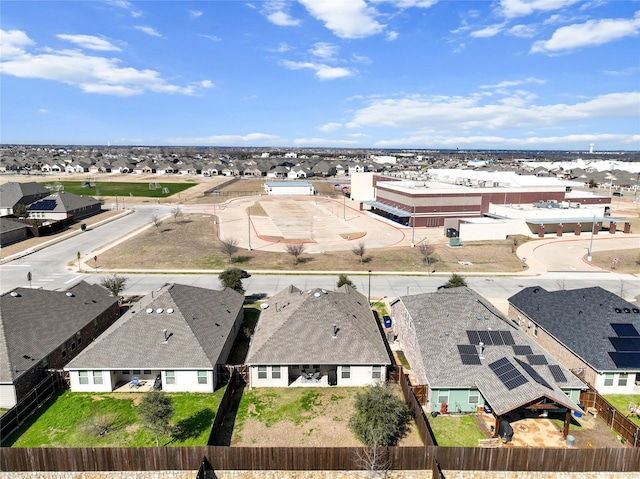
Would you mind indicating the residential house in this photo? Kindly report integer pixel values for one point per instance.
(317, 338)
(61, 205)
(594, 333)
(12, 231)
(14, 193)
(180, 334)
(41, 330)
(468, 356)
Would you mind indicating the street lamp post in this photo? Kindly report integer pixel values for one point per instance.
(590, 251)
(249, 223)
(369, 286)
(344, 206)
(413, 227)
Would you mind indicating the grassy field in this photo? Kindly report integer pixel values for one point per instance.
(192, 243)
(622, 401)
(114, 188)
(451, 431)
(69, 420)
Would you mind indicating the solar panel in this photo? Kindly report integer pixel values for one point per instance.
(625, 329)
(557, 373)
(470, 359)
(467, 349)
(534, 374)
(536, 359)
(496, 339)
(627, 345)
(43, 205)
(485, 338)
(507, 373)
(473, 336)
(626, 360)
(520, 350)
(507, 338)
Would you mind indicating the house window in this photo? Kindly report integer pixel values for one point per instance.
(346, 372)
(202, 377)
(376, 372)
(125, 372)
(608, 379)
(83, 377)
(97, 377)
(73, 345)
(535, 330)
(45, 362)
(622, 379)
(63, 350)
(262, 372)
(474, 397)
(275, 372)
(170, 377)
(79, 338)
(443, 396)
(136, 371)
(305, 366)
(146, 371)
(95, 323)
(316, 367)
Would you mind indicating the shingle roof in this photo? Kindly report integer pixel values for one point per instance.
(297, 328)
(34, 322)
(198, 322)
(580, 319)
(441, 321)
(65, 202)
(12, 192)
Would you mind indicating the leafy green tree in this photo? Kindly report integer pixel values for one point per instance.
(115, 284)
(232, 278)
(380, 417)
(20, 211)
(456, 281)
(155, 412)
(344, 279)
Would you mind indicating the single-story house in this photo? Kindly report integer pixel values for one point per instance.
(317, 338)
(468, 355)
(12, 231)
(14, 193)
(41, 330)
(179, 334)
(60, 205)
(594, 333)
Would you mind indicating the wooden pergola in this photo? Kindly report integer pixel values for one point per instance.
(543, 403)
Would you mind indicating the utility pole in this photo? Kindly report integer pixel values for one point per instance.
(249, 218)
(590, 251)
(413, 227)
(369, 286)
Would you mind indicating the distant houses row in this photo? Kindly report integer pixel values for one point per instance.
(462, 351)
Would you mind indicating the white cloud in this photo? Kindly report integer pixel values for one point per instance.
(408, 3)
(213, 38)
(522, 31)
(480, 112)
(360, 59)
(127, 6)
(91, 74)
(195, 14)
(43, 110)
(323, 72)
(254, 139)
(329, 127)
(520, 8)
(281, 48)
(591, 33)
(345, 18)
(490, 31)
(322, 141)
(90, 42)
(148, 30)
(391, 36)
(324, 50)
(511, 83)
(276, 12)
(206, 84)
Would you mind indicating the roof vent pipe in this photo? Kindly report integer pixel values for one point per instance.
(481, 344)
(335, 331)
(165, 336)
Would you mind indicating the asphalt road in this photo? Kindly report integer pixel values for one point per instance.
(53, 268)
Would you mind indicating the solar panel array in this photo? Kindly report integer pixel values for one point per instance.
(44, 205)
(491, 338)
(626, 345)
(520, 350)
(536, 359)
(507, 373)
(557, 373)
(469, 354)
(534, 374)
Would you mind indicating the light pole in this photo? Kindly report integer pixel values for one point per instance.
(344, 206)
(593, 227)
(413, 227)
(249, 222)
(369, 286)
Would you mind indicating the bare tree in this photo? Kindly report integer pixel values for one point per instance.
(176, 212)
(295, 250)
(360, 250)
(229, 247)
(374, 459)
(426, 249)
(155, 220)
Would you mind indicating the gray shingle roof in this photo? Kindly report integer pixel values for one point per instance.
(12, 193)
(441, 321)
(297, 328)
(36, 322)
(198, 322)
(580, 319)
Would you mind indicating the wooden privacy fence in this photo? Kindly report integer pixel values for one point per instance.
(317, 458)
(424, 428)
(18, 414)
(628, 431)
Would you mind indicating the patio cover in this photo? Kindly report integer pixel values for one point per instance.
(388, 209)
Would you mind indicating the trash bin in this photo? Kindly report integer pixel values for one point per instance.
(571, 440)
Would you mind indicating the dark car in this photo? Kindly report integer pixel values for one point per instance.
(244, 274)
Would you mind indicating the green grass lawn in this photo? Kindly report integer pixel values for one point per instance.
(69, 420)
(621, 403)
(452, 431)
(114, 188)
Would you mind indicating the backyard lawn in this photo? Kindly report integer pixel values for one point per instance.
(74, 419)
(288, 417)
(622, 401)
(451, 431)
(115, 188)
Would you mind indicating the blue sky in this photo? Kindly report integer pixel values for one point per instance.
(503, 74)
